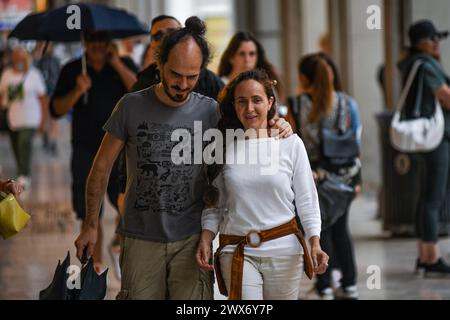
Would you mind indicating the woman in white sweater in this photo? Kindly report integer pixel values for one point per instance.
(253, 204)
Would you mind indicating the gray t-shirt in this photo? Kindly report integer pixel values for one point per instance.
(163, 201)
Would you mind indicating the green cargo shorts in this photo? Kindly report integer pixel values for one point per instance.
(159, 271)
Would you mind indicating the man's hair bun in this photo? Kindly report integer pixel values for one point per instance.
(195, 26)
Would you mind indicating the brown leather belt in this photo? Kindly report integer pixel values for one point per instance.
(254, 239)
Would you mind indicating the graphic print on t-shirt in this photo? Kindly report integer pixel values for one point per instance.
(162, 187)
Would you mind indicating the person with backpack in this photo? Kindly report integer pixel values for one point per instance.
(328, 122)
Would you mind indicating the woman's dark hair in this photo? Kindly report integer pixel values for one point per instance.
(315, 68)
(337, 83)
(194, 28)
(225, 67)
(230, 120)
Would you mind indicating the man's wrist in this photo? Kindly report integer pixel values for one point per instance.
(78, 92)
(91, 223)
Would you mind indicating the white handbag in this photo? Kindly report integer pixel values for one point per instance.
(418, 134)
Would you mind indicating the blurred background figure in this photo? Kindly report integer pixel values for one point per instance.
(23, 92)
(108, 78)
(131, 48)
(325, 44)
(244, 53)
(50, 67)
(323, 104)
(5, 58)
(148, 57)
(425, 47)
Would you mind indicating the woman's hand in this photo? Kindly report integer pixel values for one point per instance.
(319, 257)
(203, 254)
(11, 186)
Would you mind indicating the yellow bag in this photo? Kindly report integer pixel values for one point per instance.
(12, 217)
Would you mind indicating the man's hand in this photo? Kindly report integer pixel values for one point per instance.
(282, 126)
(203, 254)
(113, 55)
(83, 85)
(86, 239)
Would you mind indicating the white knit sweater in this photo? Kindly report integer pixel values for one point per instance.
(254, 199)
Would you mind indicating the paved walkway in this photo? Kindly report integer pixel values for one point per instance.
(27, 261)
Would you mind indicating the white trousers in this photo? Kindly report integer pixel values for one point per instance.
(271, 278)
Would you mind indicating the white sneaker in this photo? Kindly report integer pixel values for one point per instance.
(348, 293)
(326, 294)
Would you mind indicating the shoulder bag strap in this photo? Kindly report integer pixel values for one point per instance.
(418, 102)
(408, 85)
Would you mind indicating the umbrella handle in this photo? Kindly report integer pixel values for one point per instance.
(84, 258)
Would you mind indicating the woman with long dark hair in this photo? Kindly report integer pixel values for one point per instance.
(243, 53)
(260, 255)
(323, 104)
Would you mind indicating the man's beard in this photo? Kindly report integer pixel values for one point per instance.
(175, 98)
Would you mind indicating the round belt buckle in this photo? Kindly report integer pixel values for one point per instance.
(253, 239)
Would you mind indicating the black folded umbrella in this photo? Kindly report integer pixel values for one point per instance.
(93, 286)
(57, 290)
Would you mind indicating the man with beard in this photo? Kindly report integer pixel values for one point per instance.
(163, 201)
(208, 83)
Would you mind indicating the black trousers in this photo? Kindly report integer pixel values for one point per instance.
(434, 188)
(82, 161)
(337, 243)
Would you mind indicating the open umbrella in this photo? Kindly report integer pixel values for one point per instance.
(27, 28)
(61, 24)
(54, 25)
(93, 286)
